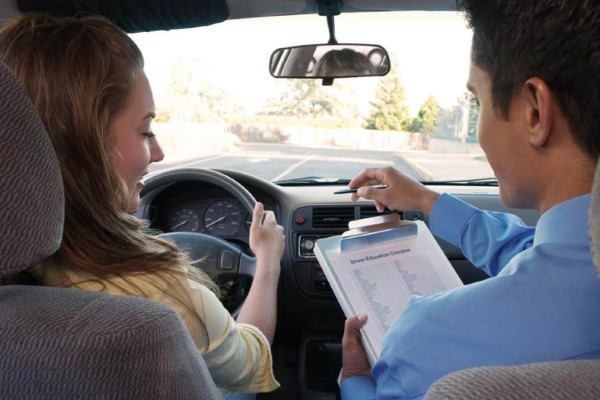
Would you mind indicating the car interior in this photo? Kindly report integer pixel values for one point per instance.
(206, 209)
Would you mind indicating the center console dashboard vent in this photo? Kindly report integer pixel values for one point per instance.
(371, 211)
(332, 217)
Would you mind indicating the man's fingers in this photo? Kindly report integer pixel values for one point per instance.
(356, 323)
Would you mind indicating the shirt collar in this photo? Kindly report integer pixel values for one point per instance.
(564, 222)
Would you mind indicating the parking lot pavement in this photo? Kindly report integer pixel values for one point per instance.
(437, 166)
(431, 166)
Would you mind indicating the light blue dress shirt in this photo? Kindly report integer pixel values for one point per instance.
(542, 304)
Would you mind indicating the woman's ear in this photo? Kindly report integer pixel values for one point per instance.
(539, 111)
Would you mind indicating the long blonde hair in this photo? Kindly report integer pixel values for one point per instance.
(78, 73)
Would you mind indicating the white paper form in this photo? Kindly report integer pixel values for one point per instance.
(379, 279)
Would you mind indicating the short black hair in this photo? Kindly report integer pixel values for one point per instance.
(555, 40)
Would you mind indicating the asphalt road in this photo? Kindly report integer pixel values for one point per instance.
(282, 161)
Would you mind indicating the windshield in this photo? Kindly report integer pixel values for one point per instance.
(219, 107)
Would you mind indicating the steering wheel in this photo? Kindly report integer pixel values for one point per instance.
(221, 260)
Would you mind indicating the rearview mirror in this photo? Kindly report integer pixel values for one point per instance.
(329, 61)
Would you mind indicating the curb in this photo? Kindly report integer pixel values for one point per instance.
(425, 174)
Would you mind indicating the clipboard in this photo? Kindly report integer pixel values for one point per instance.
(377, 265)
(366, 231)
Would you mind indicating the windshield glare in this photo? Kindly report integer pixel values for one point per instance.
(219, 107)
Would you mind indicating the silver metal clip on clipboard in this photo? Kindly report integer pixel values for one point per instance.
(366, 231)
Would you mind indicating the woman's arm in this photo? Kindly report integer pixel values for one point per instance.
(267, 242)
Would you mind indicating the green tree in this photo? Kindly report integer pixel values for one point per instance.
(193, 97)
(451, 121)
(473, 116)
(306, 101)
(426, 120)
(388, 109)
(301, 98)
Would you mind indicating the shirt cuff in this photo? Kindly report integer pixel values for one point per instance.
(358, 387)
(449, 216)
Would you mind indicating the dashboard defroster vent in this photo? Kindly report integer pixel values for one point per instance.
(332, 217)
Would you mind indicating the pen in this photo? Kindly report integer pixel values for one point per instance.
(353, 190)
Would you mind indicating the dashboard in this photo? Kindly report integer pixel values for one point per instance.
(310, 320)
(307, 213)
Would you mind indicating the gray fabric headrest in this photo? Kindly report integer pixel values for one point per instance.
(31, 188)
(595, 219)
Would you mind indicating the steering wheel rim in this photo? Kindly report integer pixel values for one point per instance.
(220, 259)
(200, 175)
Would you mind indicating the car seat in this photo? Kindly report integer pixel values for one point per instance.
(71, 343)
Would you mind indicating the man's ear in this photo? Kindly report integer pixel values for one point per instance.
(539, 112)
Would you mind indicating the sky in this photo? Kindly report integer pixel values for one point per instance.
(430, 51)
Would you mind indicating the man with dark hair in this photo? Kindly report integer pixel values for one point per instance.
(534, 72)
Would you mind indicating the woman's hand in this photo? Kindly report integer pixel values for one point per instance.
(266, 236)
(402, 193)
(267, 242)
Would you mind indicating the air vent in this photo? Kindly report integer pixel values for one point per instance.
(371, 211)
(332, 217)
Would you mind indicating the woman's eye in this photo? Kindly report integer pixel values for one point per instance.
(149, 135)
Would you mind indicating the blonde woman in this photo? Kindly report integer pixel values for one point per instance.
(86, 79)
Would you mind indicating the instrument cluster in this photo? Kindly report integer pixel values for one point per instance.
(218, 217)
(189, 206)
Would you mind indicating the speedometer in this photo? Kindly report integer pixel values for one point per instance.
(224, 218)
(185, 220)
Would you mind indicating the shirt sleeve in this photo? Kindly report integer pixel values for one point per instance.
(488, 239)
(358, 387)
(238, 356)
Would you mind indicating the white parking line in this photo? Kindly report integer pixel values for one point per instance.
(293, 167)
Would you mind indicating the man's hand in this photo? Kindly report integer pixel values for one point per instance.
(402, 193)
(354, 357)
